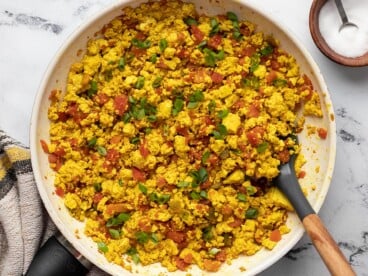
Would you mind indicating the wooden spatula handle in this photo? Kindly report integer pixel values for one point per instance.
(327, 247)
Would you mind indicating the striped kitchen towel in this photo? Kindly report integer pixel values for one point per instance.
(24, 223)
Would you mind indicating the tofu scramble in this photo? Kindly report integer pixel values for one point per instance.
(172, 126)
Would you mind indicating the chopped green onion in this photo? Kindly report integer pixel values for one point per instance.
(195, 195)
(140, 82)
(102, 247)
(142, 188)
(177, 106)
(163, 44)
(157, 82)
(232, 16)
(120, 182)
(211, 106)
(118, 220)
(261, 148)
(135, 140)
(220, 132)
(213, 251)
(92, 142)
(212, 57)
(207, 234)
(97, 187)
(205, 157)
(142, 237)
(192, 105)
(141, 44)
(93, 88)
(215, 27)
(202, 44)
(199, 176)
(241, 197)
(254, 63)
(153, 58)
(279, 82)
(252, 82)
(266, 50)
(163, 199)
(190, 21)
(126, 117)
(101, 150)
(183, 184)
(132, 252)
(115, 234)
(251, 190)
(154, 238)
(251, 213)
(121, 63)
(195, 98)
(222, 113)
(203, 194)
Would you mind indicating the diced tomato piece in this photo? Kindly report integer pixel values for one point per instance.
(114, 208)
(244, 30)
(62, 116)
(73, 143)
(102, 98)
(254, 110)
(275, 65)
(197, 33)
(120, 104)
(112, 156)
(182, 131)
(221, 256)
(213, 159)
(59, 151)
(97, 197)
(183, 53)
(161, 182)
(176, 236)
(44, 146)
(211, 265)
(247, 52)
(275, 235)
(138, 52)
(59, 191)
(302, 174)
(197, 76)
(180, 264)
(236, 223)
(115, 139)
(284, 156)
(237, 105)
(53, 95)
(322, 133)
(206, 184)
(161, 64)
(215, 41)
(255, 135)
(227, 210)
(138, 175)
(56, 161)
(188, 258)
(145, 224)
(143, 149)
(271, 76)
(217, 77)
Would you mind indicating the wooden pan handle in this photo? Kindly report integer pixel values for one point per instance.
(327, 247)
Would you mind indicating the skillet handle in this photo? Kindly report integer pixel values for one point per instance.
(327, 247)
(56, 260)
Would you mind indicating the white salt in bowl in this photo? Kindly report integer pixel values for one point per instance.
(319, 153)
(319, 40)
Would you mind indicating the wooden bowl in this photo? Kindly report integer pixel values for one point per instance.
(323, 46)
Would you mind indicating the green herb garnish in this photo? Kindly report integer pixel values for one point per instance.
(102, 247)
(190, 21)
(142, 188)
(101, 150)
(115, 234)
(141, 44)
(118, 220)
(220, 132)
(241, 197)
(222, 113)
(177, 106)
(162, 44)
(251, 213)
(93, 88)
(261, 148)
(92, 142)
(140, 82)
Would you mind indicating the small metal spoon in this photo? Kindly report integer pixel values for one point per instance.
(327, 248)
(344, 18)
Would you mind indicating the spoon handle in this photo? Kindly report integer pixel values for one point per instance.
(340, 8)
(327, 247)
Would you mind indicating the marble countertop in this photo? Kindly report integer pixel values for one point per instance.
(32, 31)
